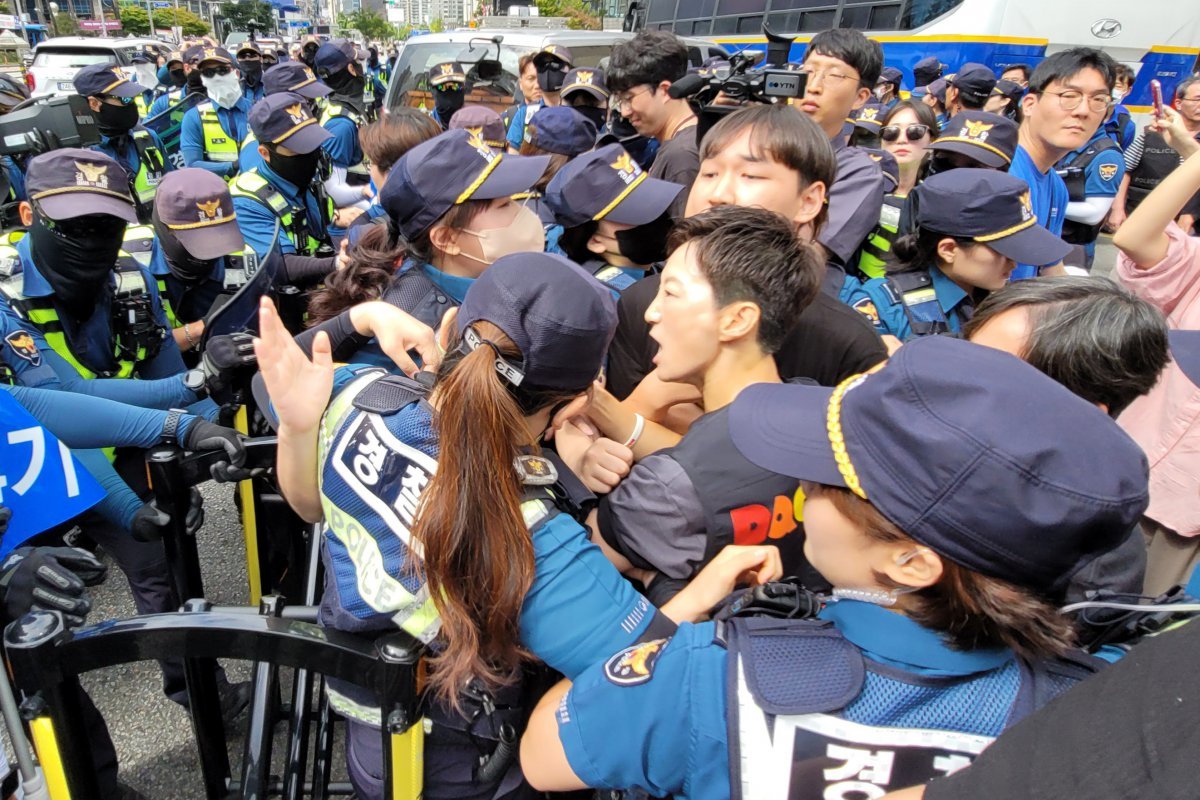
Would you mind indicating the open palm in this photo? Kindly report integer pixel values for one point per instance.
(299, 387)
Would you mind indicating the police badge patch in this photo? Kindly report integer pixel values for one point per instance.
(1108, 172)
(866, 307)
(23, 345)
(634, 665)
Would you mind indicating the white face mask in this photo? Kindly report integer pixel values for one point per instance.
(1118, 95)
(224, 90)
(147, 75)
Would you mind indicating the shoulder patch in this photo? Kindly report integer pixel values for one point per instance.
(634, 665)
(1108, 172)
(23, 345)
(535, 470)
(866, 307)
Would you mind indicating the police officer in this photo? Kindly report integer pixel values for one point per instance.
(281, 190)
(12, 170)
(1093, 175)
(291, 76)
(925, 72)
(342, 113)
(969, 88)
(562, 134)
(974, 139)
(481, 122)
(972, 225)
(895, 466)
(551, 65)
(203, 254)
(374, 83)
(863, 128)
(145, 73)
(250, 65)
(887, 88)
(585, 91)
(612, 215)
(172, 85)
(448, 84)
(113, 98)
(1005, 98)
(935, 98)
(213, 129)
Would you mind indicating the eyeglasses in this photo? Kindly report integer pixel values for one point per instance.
(914, 132)
(114, 100)
(624, 99)
(820, 76)
(1070, 100)
(212, 72)
(1189, 100)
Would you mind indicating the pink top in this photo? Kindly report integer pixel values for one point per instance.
(1166, 422)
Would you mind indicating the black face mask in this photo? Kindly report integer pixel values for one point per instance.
(596, 115)
(646, 244)
(621, 127)
(182, 264)
(194, 84)
(177, 77)
(116, 120)
(446, 103)
(297, 170)
(251, 71)
(345, 84)
(308, 55)
(76, 257)
(551, 80)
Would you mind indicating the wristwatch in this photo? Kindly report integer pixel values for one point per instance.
(170, 428)
(194, 380)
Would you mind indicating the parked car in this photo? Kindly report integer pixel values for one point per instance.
(55, 61)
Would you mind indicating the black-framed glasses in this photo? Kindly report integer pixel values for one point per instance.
(914, 132)
(212, 72)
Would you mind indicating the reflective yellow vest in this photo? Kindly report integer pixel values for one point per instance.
(218, 145)
(293, 219)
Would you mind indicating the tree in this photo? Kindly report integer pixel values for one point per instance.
(581, 15)
(240, 16)
(135, 22)
(65, 24)
(436, 25)
(369, 23)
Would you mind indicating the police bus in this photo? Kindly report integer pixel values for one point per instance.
(1157, 38)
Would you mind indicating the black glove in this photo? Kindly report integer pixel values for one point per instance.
(51, 579)
(224, 357)
(204, 435)
(150, 522)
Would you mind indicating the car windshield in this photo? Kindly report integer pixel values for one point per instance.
(72, 59)
(412, 67)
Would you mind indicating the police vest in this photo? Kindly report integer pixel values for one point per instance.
(239, 268)
(1074, 175)
(615, 278)
(913, 291)
(293, 219)
(142, 105)
(1159, 160)
(877, 249)
(152, 166)
(1115, 125)
(330, 110)
(218, 145)
(414, 293)
(789, 682)
(743, 503)
(136, 335)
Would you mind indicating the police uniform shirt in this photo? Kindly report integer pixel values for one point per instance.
(234, 122)
(128, 156)
(257, 222)
(829, 343)
(1049, 198)
(666, 701)
(1103, 173)
(854, 201)
(516, 128)
(880, 305)
(343, 149)
(1120, 126)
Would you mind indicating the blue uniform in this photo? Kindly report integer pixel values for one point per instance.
(127, 156)
(516, 128)
(164, 101)
(16, 179)
(252, 94)
(190, 301)
(661, 723)
(257, 222)
(884, 306)
(248, 156)
(1049, 196)
(343, 149)
(234, 121)
(1102, 176)
(1120, 126)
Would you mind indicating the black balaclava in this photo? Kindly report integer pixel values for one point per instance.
(176, 77)
(251, 70)
(345, 84)
(297, 170)
(646, 244)
(373, 60)
(308, 53)
(446, 103)
(76, 265)
(183, 265)
(598, 116)
(114, 121)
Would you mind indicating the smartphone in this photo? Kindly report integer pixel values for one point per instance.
(1156, 96)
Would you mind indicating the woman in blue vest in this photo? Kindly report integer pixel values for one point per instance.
(948, 518)
(489, 582)
(972, 227)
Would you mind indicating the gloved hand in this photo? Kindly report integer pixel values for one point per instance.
(224, 357)
(51, 579)
(150, 522)
(203, 435)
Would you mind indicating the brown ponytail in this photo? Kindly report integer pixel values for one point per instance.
(372, 264)
(478, 552)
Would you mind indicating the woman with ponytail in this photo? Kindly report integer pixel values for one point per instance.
(442, 518)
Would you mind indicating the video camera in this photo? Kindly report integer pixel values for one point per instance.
(48, 123)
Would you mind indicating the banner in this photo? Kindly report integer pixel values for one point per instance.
(168, 125)
(40, 481)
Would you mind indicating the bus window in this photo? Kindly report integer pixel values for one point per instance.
(696, 9)
(660, 10)
(750, 24)
(870, 16)
(724, 25)
(922, 12)
(702, 27)
(816, 21)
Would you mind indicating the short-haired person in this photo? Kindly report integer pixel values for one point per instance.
(531, 101)
(1017, 73)
(969, 88)
(843, 66)
(494, 584)
(935, 98)
(731, 289)
(887, 88)
(1005, 99)
(1069, 96)
(640, 74)
(1159, 263)
(972, 227)
(212, 131)
(770, 157)
(1120, 125)
(894, 467)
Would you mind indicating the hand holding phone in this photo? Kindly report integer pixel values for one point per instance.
(1157, 98)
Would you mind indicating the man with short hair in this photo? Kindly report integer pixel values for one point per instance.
(1017, 73)
(969, 88)
(213, 130)
(887, 88)
(640, 74)
(1069, 97)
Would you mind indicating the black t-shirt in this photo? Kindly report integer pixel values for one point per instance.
(678, 161)
(1130, 732)
(830, 342)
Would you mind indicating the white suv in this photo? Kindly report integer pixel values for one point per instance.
(55, 61)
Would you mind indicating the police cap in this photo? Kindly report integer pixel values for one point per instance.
(447, 72)
(215, 55)
(891, 75)
(294, 76)
(285, 119)
(333, 57)
(70, 182)
(988, 138)
(887, 163)
(96, 80)
(975, 81)
(196, 207)
(587, 80)
(608, 184)
(562, 130)
(481, 121)
(551, 53)
(927, 70)
(870, 118)
(968, 450)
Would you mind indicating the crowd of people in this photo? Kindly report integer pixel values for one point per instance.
(578, 391)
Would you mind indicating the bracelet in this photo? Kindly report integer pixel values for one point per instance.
(639, 425)
(187, 334)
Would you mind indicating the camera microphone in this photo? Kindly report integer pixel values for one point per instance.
(687, 86)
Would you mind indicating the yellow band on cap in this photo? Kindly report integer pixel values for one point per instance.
(833, 426)
(991, 237)
(475, 184)
(187, 226)
(113, 85)
(604, 212)
(69, 189)
(977, 143)
(293, 129)
(302, 84)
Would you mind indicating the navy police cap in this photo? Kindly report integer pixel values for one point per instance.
(869, 118)
(562, 130)
(96, 80)
(988, 138)
(990, 207)
(927, 70)
(294, 76)
(608, 184)
(968, 450)
(974, 80)
(286, 119)
(334, 56)
(71, 182)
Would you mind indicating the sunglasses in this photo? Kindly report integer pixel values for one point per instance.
(212, 72)
(890, 133)
(122, 100)
(86, 227)
(448, 87)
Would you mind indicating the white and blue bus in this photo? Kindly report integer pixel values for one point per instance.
(1157, 38)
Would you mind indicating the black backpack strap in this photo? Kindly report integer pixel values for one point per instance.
(390, 393)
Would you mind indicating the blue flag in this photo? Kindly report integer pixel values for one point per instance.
(40, 481)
